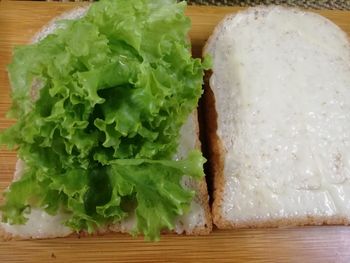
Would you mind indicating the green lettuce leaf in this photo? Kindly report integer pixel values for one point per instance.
(99, 104)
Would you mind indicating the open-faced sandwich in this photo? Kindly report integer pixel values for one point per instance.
(106, 131)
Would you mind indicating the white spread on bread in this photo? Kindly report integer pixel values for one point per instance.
(281, 80)
(40, 225)
(186, 223)
(196, 215)
(194, 218)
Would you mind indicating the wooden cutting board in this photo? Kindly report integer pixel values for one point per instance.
(18, 22)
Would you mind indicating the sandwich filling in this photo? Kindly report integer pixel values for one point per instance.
(99, 105)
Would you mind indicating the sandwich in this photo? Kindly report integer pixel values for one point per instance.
(105, 100)
(279, 120)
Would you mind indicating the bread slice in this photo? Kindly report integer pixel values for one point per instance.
(42, 225)
(279, 119)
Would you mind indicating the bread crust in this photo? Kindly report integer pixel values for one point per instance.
(201, 197)
(215, 152)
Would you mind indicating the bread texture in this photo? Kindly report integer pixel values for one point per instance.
(41, 225)
(278, 119)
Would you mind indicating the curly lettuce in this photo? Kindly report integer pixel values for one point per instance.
(99, 105)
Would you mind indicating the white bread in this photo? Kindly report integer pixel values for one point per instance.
(41, 225)
(279, 119)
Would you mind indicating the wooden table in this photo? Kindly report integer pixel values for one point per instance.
(18, 22)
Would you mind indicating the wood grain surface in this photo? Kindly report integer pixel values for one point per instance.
(18, 22)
